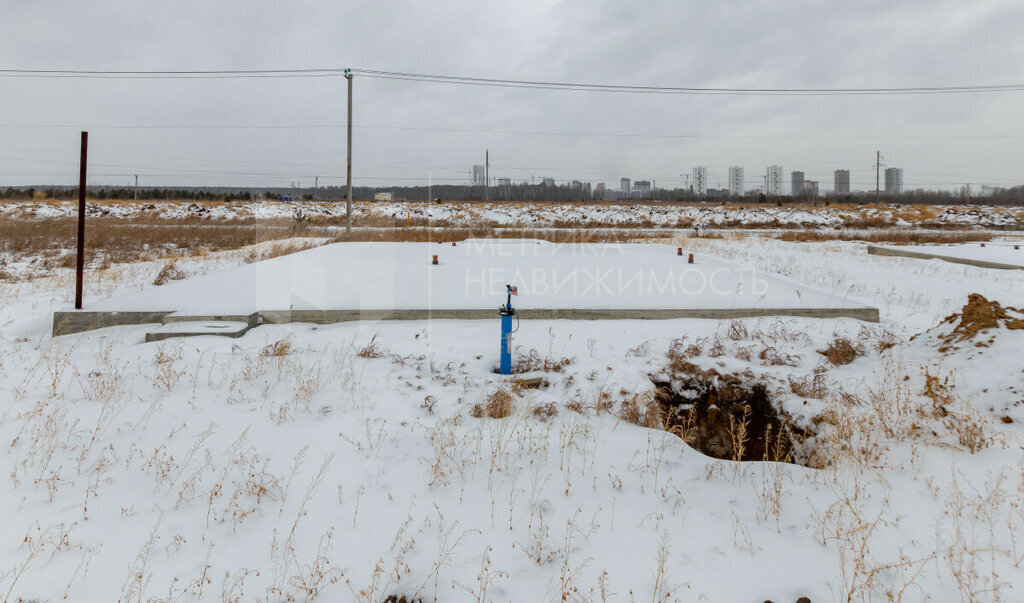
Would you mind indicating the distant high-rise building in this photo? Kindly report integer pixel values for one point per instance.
(810, 188)
(504, 181)
(894, 181)
(642, 188)
(796, 187)
(549, 181)
(624, 186)
(842, 185)
(479, 176)
(773, 181)
(736, 181)
(700, 181)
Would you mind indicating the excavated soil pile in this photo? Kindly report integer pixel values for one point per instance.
(976, 316)
(725, 416)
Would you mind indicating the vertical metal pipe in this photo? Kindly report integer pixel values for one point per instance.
(505, 364)
(348, 179)
(80, 260)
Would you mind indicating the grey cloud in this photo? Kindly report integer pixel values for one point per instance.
(726, 43)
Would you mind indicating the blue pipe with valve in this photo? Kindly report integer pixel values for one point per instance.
(507, 312)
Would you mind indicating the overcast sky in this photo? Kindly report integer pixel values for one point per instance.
(258, 132)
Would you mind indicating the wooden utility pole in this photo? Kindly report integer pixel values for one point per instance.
(348, 178)
(487, 174)
(80, 260)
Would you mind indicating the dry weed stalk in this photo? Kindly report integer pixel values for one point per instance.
(277, 349)
(140, 572)
(37, 542)
(484, 578)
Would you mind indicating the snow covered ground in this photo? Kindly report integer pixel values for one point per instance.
(530, 215)
(358, 461)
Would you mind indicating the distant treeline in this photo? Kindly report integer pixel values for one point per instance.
(514, 192)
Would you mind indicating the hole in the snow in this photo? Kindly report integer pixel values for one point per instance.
(726, 416)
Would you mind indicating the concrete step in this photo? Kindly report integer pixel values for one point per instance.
(232, 329)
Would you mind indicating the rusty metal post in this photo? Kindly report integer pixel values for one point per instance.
(80, 262)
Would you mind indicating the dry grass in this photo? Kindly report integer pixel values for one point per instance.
(371, 350)
(842, 350)
(449, 234)
(278, 249)
(52, 242)
(499, 404)
(899, 237)
(643, 409)
(277, 349)
(170, 272)
(532, 361)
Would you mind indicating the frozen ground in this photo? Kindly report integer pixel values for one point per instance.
(531, 215)
(474, 274)
(346, 463)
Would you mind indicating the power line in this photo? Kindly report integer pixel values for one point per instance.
(514, 132)
(499, 82)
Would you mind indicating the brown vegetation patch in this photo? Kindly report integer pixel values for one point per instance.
(545, 411)
(532, 361)
(452, 233)
(278, 249)
(643, 409)
(170, 272)
(499, 404)
(371, 350)
(842, 351)
(897, 237)
(277, 349)
(119, 240)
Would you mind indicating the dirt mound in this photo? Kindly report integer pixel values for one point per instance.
(978, 315)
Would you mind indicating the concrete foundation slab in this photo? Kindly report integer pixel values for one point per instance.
(398, 281)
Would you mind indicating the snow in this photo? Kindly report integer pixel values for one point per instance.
(229, 326)
(473, 274)
(350, 467)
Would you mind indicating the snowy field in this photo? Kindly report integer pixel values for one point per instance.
(474, 274)
(364, 461)
(544, 215)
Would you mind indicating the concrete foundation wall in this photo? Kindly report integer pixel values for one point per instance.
(66, 323)
(931, 256)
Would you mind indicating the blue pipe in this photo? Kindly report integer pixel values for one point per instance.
(506, 344)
